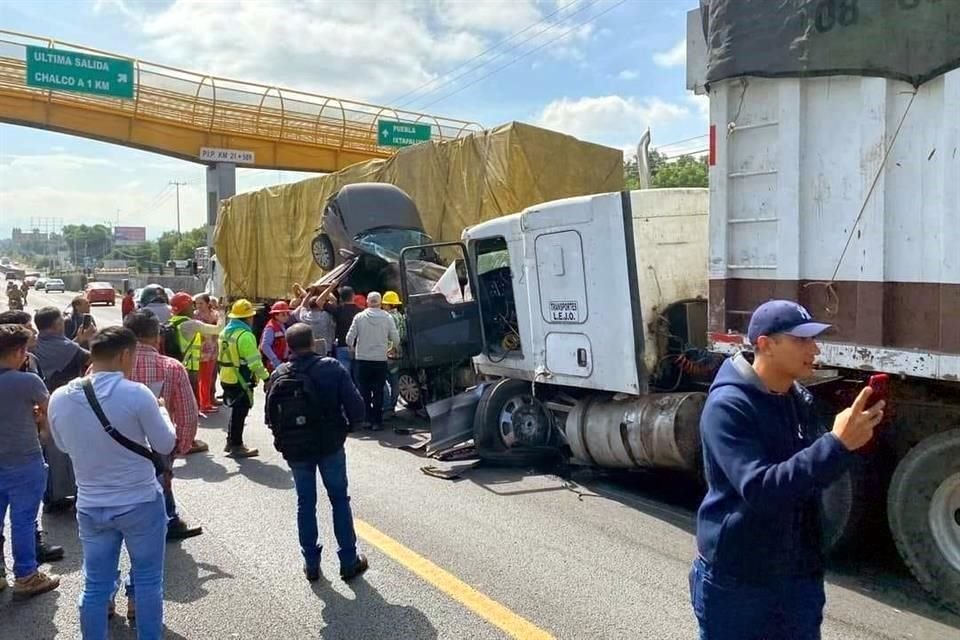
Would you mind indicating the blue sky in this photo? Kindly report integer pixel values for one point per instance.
(602, 70)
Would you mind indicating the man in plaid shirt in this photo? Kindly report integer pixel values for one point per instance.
(167, 379)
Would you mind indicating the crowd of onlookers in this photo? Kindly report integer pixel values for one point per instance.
(94, 418)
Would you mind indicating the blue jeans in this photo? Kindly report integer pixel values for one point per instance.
(129, 588)
(343, 357)
(393, 382)
(727, 609)
(21, 489)
(103, 530)
(333, 471)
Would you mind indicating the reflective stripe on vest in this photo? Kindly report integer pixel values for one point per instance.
(189, 349)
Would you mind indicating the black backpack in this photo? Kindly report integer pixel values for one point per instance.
(291, 403)
(170, 339)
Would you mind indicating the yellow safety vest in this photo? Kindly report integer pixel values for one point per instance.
(189, 348)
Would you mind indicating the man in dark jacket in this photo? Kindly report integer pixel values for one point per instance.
(311, 404)
(760, 568)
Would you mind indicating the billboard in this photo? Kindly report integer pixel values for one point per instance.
(123, 236)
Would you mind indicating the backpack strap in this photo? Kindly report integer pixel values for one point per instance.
(121, 439)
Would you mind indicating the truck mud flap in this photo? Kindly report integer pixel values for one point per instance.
(451, 420)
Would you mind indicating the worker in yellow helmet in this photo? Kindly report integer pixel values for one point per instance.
(391, 304)
(240, 369)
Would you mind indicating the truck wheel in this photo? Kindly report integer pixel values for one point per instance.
(850, 507)
(512, 427)
(923, 507)
(322, 250)
(411, 393)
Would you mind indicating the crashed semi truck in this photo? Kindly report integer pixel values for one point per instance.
(598, 322)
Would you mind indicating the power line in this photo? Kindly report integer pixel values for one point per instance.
(524, 55)
(480, 55)
(673, 144)
(586, 5)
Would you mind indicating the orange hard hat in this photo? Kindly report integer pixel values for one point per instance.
(180, 301)
(360, 300)
(279, 307)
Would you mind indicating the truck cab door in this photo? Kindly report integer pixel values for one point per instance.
(443, 317)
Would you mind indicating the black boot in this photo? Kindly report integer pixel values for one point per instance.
(47, 552)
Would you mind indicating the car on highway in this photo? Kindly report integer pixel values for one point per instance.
(31, 280)
(53, 284)
(101, 292)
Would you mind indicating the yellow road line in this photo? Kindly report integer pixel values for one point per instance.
(490, 610)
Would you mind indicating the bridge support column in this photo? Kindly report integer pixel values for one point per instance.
(221, 183)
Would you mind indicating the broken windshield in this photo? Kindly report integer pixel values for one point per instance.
(388, 243)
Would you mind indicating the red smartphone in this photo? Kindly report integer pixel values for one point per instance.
(880, 383)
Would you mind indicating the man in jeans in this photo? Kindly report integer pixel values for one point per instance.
(46, 552)
(23, 474)
(370, 335)
(119, 499)
(310, 403)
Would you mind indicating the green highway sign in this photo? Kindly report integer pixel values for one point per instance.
(62, 70)
(392, 133)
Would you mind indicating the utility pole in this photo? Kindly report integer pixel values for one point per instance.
(178, 185)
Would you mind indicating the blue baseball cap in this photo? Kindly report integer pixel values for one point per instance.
(786, 317)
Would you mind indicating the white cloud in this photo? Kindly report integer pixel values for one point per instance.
(628, 74)
(373, 50)
(675, 57)
(612, 119)
(52, 162)
(702, 104)
(504, 16)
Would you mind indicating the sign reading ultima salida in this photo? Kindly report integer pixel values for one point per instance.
(62, 70)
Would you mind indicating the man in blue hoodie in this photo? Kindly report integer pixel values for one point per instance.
(760, 568)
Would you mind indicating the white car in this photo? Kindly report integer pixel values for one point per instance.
(54, 284)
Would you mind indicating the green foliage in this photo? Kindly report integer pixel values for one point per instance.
(685, 171)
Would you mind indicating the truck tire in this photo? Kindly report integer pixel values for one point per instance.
(850, 510)
(923, 507)
(511, 427)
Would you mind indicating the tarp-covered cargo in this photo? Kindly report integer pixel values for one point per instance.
(910, 40)
(262, 239)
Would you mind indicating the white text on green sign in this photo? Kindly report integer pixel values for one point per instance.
(392, 133)
(62, 70)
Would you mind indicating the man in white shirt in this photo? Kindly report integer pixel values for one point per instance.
(118, 497)
(369, 337)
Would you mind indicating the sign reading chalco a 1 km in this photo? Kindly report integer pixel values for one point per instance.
(393, 133)
(62, 70)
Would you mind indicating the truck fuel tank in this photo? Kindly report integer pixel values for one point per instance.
(660, 430)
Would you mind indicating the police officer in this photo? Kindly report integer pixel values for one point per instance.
(240, 368)
(760, 568)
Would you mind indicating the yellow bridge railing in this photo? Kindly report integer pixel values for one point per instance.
(175, 112)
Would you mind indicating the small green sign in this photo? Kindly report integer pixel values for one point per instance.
(63, 70)
(392, 133)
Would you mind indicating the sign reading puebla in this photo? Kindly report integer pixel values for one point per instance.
(62, 70)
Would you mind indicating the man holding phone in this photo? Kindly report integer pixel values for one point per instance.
(759, 573)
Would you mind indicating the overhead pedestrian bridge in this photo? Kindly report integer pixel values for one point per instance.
(199, 117)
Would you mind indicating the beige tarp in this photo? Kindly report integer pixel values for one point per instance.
(262, 239)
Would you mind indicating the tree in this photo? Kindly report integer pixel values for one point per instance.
(685, 171)
(85, 241)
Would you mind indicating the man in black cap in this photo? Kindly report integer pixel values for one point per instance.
(759, 573)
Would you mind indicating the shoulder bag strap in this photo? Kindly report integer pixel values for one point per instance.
(121, 439)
